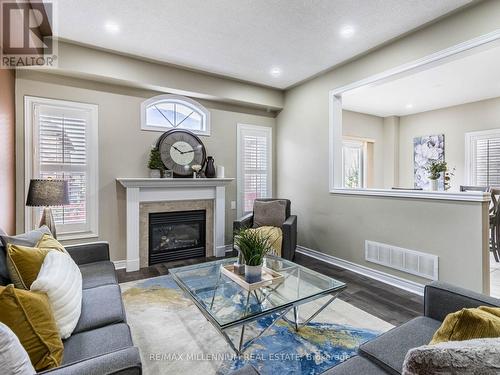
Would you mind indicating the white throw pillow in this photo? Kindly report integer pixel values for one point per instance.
(61, 279)
(13, 357)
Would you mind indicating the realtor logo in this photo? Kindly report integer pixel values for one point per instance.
(26, 34)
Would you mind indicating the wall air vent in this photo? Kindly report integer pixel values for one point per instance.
(409, 261)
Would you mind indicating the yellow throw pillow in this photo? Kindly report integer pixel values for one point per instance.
(29, 316)
(468, 324)
(49, 242)
(274, 236)
(24, 263)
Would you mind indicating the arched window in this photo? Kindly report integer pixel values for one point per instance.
(164, 112)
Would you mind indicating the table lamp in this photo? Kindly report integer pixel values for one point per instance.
(47, 193)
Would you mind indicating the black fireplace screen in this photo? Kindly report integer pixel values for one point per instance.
(176, 235)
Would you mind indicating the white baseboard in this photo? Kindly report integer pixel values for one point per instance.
(133, 265)
(396, 281)
(119, 264)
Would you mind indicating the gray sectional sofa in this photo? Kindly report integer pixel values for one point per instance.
(386, 353)
(101, 342)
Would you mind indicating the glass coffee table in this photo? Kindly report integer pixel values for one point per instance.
(227, 305)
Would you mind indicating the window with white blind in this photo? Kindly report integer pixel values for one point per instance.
(483, 158)
(254, 165)
(61, 143)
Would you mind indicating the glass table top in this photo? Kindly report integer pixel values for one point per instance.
(228, 304)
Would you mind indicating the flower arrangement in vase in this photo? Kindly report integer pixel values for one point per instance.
(436, 169)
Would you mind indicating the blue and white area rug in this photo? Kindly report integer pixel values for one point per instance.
(175, 338)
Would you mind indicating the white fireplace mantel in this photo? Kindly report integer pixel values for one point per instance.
(172, 189)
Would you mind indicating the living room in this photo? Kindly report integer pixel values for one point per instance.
(204, 187)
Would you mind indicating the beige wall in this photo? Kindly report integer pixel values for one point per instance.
(99, 65)
(453, 122)
(7, 151)
(361, 125)
(337, 224)
(124, 148)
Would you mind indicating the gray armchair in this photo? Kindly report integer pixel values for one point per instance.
(289, 228)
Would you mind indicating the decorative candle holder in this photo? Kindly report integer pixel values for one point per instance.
(196, 170)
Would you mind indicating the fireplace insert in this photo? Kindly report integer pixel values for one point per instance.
(176, 235)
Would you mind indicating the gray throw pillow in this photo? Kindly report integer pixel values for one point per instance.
(471, 357)
(30, 239)
(269, 213)
(14, 359)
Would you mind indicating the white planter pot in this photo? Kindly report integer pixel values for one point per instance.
(253, 274)
(154, 173)
(434, 185)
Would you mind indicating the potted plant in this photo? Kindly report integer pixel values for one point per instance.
(253, 247)
(155, 163)
(435, 169)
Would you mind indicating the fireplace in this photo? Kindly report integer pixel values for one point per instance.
(176, 235)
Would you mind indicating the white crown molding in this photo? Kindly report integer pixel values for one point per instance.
(386, 278)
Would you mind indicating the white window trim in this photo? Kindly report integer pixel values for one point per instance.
(178, 99)
(470, 155)
(335, 127)
(30, 103)
(239, 174)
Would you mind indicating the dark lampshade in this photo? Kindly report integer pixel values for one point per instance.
(47, 193)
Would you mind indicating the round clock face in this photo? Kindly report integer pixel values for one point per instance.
(180, 150)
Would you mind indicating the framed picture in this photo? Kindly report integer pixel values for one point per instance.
(426, 149)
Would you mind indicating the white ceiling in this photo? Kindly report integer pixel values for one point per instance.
(466, 78)
(246, 39)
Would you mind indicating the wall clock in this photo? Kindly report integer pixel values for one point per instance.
(180, 150)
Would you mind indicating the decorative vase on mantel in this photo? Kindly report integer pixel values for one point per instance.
(210, 168)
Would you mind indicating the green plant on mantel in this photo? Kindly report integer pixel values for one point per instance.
(253, 246)
(155, 160)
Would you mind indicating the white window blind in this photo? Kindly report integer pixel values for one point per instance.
(483, 158)
(353, 164)
(488, 162)
(254, 165)
(64, 146)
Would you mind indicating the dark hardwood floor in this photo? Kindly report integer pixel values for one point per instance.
(389, 303)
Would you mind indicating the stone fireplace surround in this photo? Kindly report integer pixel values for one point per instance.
(145, 208)
(144, 194)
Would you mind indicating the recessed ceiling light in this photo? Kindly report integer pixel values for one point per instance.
(409, 106)
(347, 31)
(275, 72)
(112, 27)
